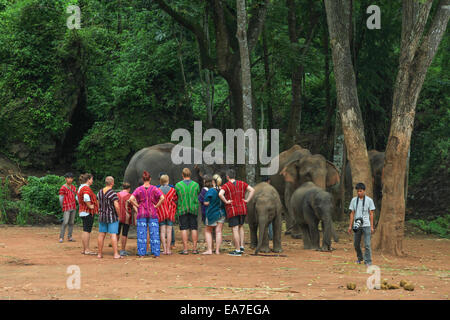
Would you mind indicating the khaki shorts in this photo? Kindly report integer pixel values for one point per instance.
(221, 220)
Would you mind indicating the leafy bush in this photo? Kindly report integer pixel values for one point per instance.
(4, 198)
(41, 195)
(439, 226)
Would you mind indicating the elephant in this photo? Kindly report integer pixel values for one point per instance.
(376, 159)
(157, 159)
(314, 168)
(310, 205)
(296, 152)
(264, 208)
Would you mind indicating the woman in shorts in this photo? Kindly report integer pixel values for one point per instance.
(214, 215)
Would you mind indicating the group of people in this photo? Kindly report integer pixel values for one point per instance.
(154, 209)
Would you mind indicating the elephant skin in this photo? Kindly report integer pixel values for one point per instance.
(309, 168)
(157, 159)
(264, 208)
(376, 159)
(310, 205)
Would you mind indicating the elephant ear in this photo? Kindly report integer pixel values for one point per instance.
(333, 174)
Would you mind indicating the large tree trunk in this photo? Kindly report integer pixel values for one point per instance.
(246, 83)
(338, 12)
(416, 54)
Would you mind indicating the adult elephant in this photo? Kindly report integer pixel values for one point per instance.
(264, 208)
(311, 204)
(157, 159)
(309, 168)
(296, 152)
(376, 159)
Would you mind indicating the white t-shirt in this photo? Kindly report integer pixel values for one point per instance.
(362, 212)
(86, 198)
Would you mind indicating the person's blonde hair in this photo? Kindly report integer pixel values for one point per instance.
(186, 173)
(218, 179)
(109, 180)
(164, 179)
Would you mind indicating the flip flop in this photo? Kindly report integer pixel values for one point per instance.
(183, 252)
(195, 252)
(90, 253)
(120, 257)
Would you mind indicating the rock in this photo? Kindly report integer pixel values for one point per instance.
(384, 286)
(408, 287)
(403, 282)
(351, 286)
(385, 282)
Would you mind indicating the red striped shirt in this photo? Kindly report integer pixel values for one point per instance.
(168, 208)
(123, 197)
(69, 202)
(236, 193)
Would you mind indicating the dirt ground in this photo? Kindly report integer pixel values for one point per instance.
(33, 265)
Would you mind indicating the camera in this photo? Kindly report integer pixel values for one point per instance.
(357, 224)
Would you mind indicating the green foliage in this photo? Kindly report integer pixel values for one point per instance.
(439, 226)
(41, 195)
(5, 197)
(103, 150)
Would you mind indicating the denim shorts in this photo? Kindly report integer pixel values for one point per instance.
(109, 227)
(166, 222)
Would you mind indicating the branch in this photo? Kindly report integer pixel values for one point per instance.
(414, 20)
(195, 28)
(431, 42)
(256, 23)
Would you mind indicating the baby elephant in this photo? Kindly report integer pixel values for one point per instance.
(264, 208)
(310, 205)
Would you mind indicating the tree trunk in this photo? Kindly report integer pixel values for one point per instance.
(268, 86)
(347, 96)
(246, 82)
(416, 54)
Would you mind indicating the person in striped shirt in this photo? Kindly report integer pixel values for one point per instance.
(67, 195)
(187, 209)
(166, 213)
(108, 219)
(233, 195)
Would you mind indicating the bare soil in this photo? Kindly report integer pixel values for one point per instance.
(33, 265)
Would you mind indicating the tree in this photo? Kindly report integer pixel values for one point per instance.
(338, 12)
(246, 82)
(227, 58)
(417, 51)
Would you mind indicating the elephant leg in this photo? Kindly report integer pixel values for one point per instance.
(253, 235)
(277, 234)
(263, 232)
(306, 237)
(315, 236)
(290, 221)
(327, 232)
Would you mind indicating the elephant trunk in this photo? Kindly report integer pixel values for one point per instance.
(262, 226)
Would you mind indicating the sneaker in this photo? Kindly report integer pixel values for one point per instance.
(242, 250)
(235, 253)
(358, 261)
